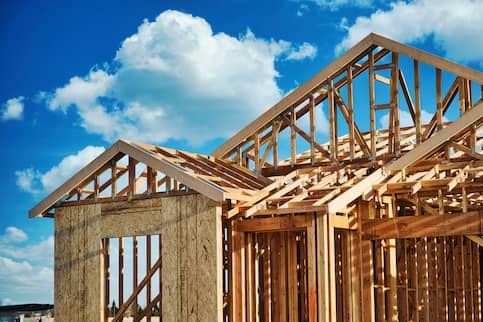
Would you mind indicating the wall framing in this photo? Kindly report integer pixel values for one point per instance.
(377, 224)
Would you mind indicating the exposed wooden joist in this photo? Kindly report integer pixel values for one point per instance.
(470, 223)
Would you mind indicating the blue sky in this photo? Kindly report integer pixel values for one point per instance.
(77, 76)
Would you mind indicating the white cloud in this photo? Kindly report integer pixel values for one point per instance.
(25, 282)
(82, 92)
(405, 119)
(176, 78)
(13, 235)
(12, 109)
(36, 182)
(26, 268)
(455, 26)
(41, 252)
(304, 51)
(334, 5)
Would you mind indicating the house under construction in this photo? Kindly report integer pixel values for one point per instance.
(383, 222)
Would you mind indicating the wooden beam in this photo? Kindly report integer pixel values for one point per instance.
(312, 128)
(312, 270)
(417, 101)
(137, 288)
(344, 199)
(395, 127)
(470, 223)
(372, 110)
(350, 107)
(46, 204)
(352, 54)
(172, 170)
(325, 269)
(285, 223)
(438, 139)
(427, 58)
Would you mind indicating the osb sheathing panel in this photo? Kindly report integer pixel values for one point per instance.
(190, 227)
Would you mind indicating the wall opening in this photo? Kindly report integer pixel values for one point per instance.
(132, 278)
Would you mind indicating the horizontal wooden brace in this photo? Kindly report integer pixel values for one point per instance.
(290, 223)
(282, 223)
(470, 223)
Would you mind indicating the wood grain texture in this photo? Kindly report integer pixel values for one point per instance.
(190, 228)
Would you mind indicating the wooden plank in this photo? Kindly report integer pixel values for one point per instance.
(169, 238)
(332, 121)
(293, 138)
(422, 226)
(438, 139)
(256, 141)
(325, 268)
(137, 289)
(395, 103)
(170, 169)
(365, 185)
(372, 110)
(148, 268)
(275, 129)
(105, 249)
(423, 292)
(292, 285)
(350, 106)
(238, 267)
(439, 99)
(283, 289)
(407, 95)
(135, 272)
(251, 285)
(312, 127)
(312, 271)
(351, 55)
(120, 299)
(267, 277)
(292, 98)
(417, 101)
(44, 205)
(427, 58)
(285, 223)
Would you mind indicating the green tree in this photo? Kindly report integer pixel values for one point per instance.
(113, 309)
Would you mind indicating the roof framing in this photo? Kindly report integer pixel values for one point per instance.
(353, 55)
(182, 170)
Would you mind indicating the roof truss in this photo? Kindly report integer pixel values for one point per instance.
(132, 170)
(334, 89)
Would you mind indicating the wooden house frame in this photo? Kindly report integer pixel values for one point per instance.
(376, 224)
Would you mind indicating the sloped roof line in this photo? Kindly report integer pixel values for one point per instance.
(353, 54)
(472, 116)
(201, 185)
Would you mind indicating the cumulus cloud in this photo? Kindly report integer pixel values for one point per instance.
(454, 26)
(176, 78)
(12, 109)
(36, 182)
(41, 252)
(26, 272)
(13, 235)
(304, 51)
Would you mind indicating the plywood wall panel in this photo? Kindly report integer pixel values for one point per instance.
(190, 228)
